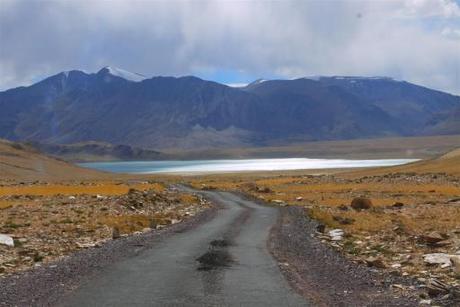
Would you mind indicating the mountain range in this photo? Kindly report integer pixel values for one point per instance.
(120, 107)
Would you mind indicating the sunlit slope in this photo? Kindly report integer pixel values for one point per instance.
(21, 162)
(448, 163)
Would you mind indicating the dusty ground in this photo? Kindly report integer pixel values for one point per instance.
(48, 221)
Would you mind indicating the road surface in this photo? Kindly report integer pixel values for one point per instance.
(223, 262)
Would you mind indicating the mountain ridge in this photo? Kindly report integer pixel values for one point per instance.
(189, 112)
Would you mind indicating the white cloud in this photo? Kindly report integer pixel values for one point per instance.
(451, 33)
(260, 38)
(430, 8)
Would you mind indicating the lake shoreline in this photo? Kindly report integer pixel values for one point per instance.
(197, 167)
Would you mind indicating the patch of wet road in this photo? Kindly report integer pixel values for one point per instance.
(224, 262)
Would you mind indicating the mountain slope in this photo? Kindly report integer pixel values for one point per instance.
(448, 163)
(96, 151)
(411, 105)
(120, 107)
(21, 162)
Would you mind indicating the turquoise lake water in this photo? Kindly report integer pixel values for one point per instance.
(223, 166)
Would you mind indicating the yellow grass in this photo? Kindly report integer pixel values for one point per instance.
(109, 188)
(127, 223)
(7, 203)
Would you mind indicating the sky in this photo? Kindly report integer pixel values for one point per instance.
(233, 42)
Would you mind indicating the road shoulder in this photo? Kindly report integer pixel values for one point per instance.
(322, 274)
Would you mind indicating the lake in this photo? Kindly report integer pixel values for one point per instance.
(223, 166)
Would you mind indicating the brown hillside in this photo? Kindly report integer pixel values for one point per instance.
(448, 163)
(21, 162)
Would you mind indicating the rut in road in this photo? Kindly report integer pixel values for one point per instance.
(224, 262)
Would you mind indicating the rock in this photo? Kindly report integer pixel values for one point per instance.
(279, 202)
(361, 203)
(264, 190)
(437, 258)
(398, 205)
(425, 302)
(71, 197)
(85, 245)
(174, 221)
(343, 220)
(443, 243)
(432, 238)
(132, 191)
(299, 198)
(336, 234)
(343, 207)
(6, 240)
(375, 262)
(455, 261)
(115, 233)
(436, 287)
(320, 228)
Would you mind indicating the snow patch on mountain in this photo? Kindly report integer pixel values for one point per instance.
(127, 75)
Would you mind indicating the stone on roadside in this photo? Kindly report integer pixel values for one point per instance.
(264, 190)
(455, 261)
(436, 288)
(375, 262)
(432, 237)
(437, 258)
(174, 221)
(115, 233)
(320, 228)
(279, 202)
(425, 302)
(336, 234)
(6, 240)
(361, 203)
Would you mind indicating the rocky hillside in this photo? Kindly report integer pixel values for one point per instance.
(119, 107)
(96, 151)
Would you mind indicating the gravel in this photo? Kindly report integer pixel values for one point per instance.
(322, 274)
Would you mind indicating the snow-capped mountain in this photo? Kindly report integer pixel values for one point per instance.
(166, 112)
(127, 75)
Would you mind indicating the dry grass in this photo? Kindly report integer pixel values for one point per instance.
(101, 188)
(51, 224)
(7, 203)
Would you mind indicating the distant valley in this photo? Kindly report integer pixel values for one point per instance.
(166, 113)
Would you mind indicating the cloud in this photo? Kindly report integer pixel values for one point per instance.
(430, 8)
(286, 39)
